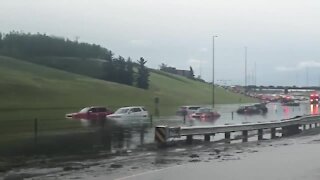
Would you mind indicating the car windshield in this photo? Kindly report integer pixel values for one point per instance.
(203, 110)
(122, 111)
(183, 108)
(193, 108)
(84, 110)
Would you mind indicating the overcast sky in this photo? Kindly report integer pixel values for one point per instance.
(282, 36)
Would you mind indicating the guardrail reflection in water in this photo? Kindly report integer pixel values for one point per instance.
(288, 127)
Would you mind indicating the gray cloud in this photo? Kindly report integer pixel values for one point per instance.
(180, 32)
(300, 66)
(140, 43)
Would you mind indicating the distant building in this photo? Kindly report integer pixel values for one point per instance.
(173, 70)
(185, 73)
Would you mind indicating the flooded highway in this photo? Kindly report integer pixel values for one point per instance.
(125, 135)
(132, 159)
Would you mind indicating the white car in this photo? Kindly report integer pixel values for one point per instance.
(130, 113)
(187, 109)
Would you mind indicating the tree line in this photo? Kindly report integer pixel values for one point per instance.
(21, 44)
(121, 70)
(115, 69)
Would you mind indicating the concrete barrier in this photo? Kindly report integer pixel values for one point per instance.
(288, 127)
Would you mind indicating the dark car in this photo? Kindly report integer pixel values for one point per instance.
(291, 103)
(253, 109)
(262, 107)
(90, 113)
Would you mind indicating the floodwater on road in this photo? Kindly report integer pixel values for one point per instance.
(135, 160)
(286, 159)
(130, 134)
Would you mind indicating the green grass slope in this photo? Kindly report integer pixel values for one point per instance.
(29, 91)
(29, 86)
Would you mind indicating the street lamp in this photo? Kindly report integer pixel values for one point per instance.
(213, 70)
(245, 70)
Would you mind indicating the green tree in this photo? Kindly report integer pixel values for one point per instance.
(108, 68)
(0, 41)
(143, 74)
(129, 72)
(121, 70)
(31, 45)
(191, 76)
(163, 67)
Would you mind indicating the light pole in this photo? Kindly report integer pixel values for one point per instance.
(245, 70)
(213, 70)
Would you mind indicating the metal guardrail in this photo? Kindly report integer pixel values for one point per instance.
(289, 127)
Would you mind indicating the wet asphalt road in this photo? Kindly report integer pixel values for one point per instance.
(136, 133)
(296, 157)
(287, 159)
(282, 159)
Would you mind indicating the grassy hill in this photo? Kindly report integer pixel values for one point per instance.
(31, 86)
(31, 91)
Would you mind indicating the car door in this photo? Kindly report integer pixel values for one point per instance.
(136, 113)
(131, 114)
(144, 113)
(93, 114)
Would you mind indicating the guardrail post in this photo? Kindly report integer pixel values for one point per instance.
(290, 130)
(316, 125)
(151, 118)
(244, 136)
(304, 127)
(273, 133)
(260, 134)
(35, 131)
(232, 115)
(189, 139)
(310, 126)
(207, 137)
(227, 136)
(161, 135)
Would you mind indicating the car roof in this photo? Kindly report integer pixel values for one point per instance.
(205, 108)
(97, 107)
(127, 107)
(190, 106)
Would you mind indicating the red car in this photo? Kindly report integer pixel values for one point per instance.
(90, 113)
(314, 98)
(205, 113)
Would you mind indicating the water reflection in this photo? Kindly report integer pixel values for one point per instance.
(129, 134)
(201, 121)
(286, 112)
(114, 135)
(314, 109)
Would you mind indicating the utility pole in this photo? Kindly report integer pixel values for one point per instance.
(245, 70)
(307, 76)
(213, 70)
(200, 68)
(255, 73)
